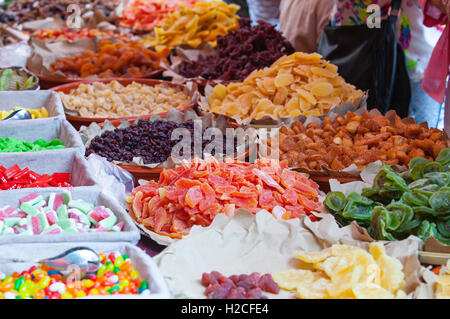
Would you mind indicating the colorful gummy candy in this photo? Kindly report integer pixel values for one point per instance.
(116, 276)
(10, 144)
(61, 214)
(16, 178)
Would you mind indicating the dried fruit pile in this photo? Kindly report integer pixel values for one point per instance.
(360, 140)
(147, 14)
(149, 140)
(194, 193)
(415, 202)
(70, 34)
(118, 59)
(297, 84)
(345, 272)
(240, 52)
(238, 286)
(116, 100)
(16, 178)
(31, 10)
(191, 26)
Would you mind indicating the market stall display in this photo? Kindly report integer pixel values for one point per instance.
(335, 144)
(191, 26)
(194, 193)
(113, 99)
(35, 114)
(241, 286)
(10, 144)
(414, 202)
(112, 59)
(138, 276)
(149, 140)
(297, 84)
(18, 12)
(247, 243)
(47, 283)
(239, 53)
(147, 14)
(181, 160)
(17, 79)
(69, 34)
(16, 178)
(346, 272)
(71, 167)
(43, 106)
(61, 214)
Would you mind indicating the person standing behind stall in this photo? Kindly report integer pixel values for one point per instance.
(302, 22)
(416, 40)
(437, 12)
(266, 10)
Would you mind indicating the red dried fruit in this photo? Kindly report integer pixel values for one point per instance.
(240, 52)
(237, 293)
(255, 293)
(267, 284)
(219, 292)
(238, 286)
(208, 279)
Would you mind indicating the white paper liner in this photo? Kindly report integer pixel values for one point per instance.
(250, 243)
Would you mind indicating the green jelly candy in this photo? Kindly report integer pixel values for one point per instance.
(144, 284)
(108, 222)
(29, 209)
(64, 223)
(62, 212)
(18, 282)
(12, 221)
(81, 205)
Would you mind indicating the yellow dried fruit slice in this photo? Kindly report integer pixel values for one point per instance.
(313, 257)
(323, 89)
(290, 279)
(220, 91)
(283, 80)
(307, 96)
(314, 290)
(364, 291)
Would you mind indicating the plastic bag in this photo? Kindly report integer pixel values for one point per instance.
(114, 181)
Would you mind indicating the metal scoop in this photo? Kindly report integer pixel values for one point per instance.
(19, 115)
(84, 258)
